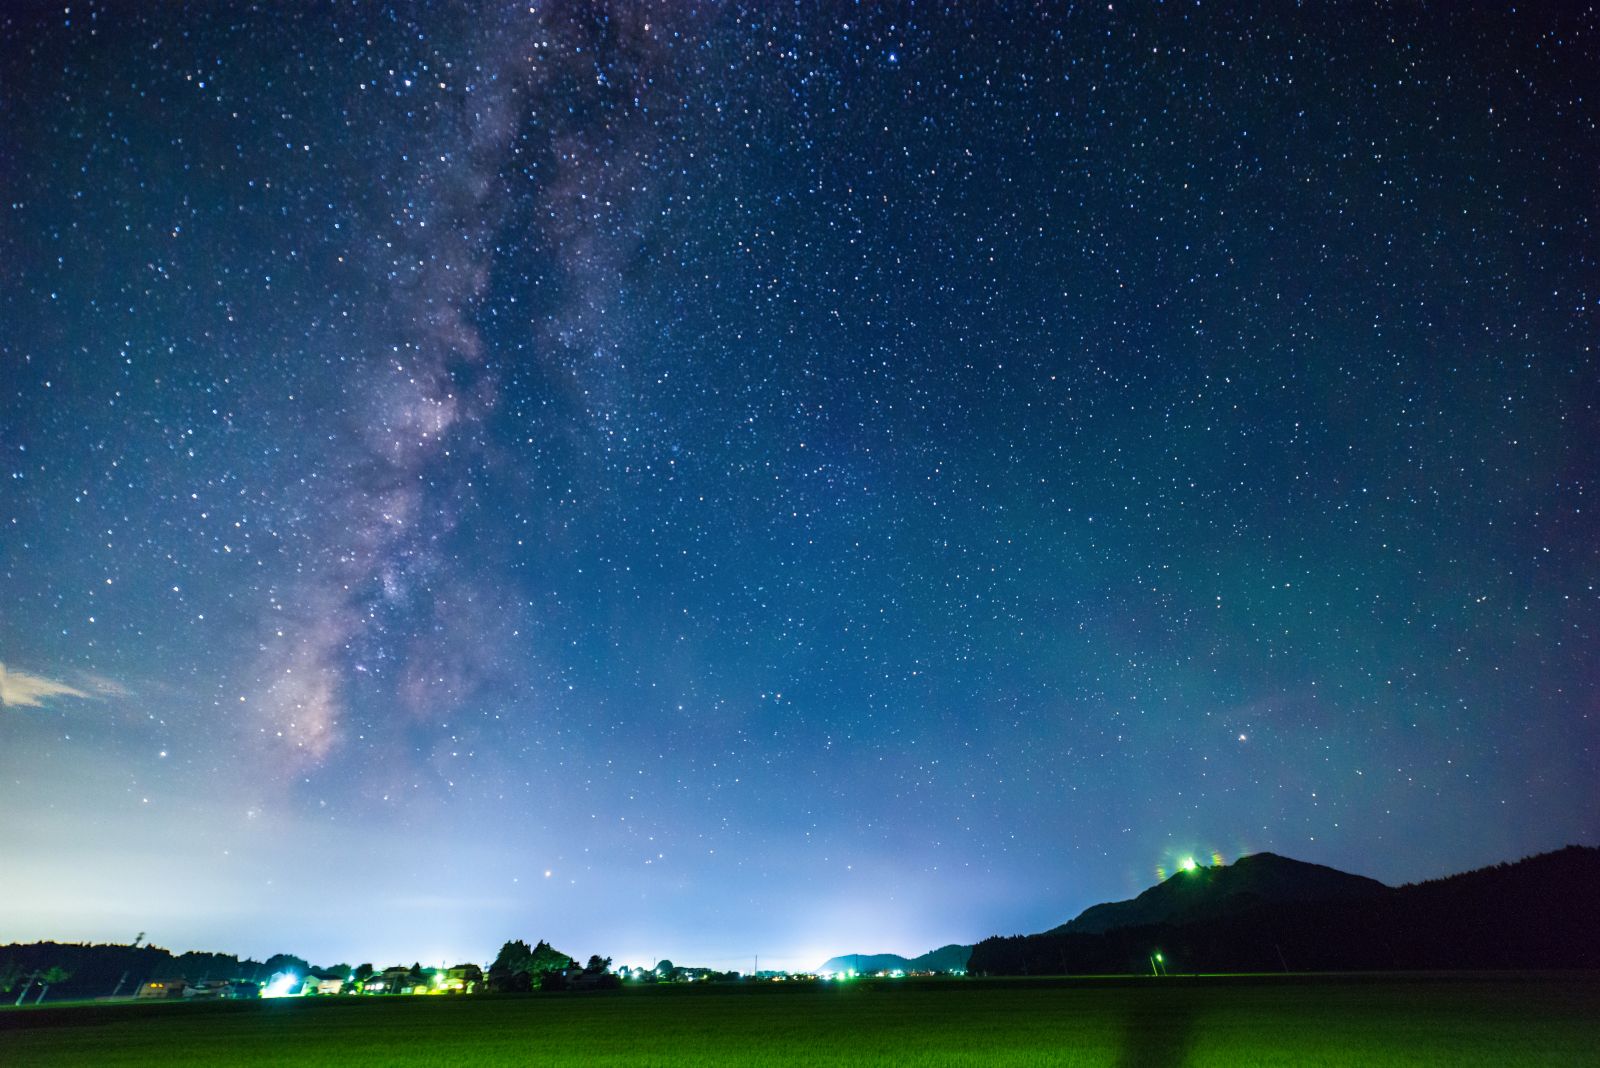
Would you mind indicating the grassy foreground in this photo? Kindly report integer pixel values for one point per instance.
(1238, 1022)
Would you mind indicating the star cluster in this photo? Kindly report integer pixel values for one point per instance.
(788, 480)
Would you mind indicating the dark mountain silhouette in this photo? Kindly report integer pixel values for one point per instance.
(1208, 891)
(949, 958)
(1537, 913)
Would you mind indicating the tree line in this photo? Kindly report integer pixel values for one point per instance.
(90, 970)
(63, 970)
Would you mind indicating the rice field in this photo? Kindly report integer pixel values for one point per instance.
(1453, 1021)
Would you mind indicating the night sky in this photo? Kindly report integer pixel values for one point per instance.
(705, 481)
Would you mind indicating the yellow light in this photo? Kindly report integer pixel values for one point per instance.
(1189, 864)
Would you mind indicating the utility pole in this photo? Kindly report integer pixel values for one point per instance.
(136, 940)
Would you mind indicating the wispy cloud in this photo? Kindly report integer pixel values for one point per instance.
(104, 687)
(18, 689)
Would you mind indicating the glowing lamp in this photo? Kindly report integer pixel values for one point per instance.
(281, 986)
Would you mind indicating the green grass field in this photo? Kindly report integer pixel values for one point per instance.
(1452, 1021)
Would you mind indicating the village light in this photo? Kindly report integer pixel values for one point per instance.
(281, 985)
(1188, 864)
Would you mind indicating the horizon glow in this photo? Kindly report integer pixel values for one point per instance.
(755, 483)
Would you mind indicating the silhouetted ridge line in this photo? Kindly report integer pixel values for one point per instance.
(951, 958)
(1204, 892)
(1280, 914)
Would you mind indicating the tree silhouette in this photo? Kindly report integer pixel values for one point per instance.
(285, 962)
(51, 975)
(515, 956)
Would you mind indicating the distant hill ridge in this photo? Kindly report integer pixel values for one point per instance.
(944, 959)
(1271, 913)
(1189, 895)
(1214, 890)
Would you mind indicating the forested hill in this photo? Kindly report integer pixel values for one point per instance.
(951, 958)
(1206, 891)
(1536, 913)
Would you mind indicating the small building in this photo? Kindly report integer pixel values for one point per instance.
(389, 981)
(203, 991)
(162, 988)
(462, 979)
(585, 980)
(325, 986)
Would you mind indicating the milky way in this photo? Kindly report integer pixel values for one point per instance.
(706, 481)
(544, 114)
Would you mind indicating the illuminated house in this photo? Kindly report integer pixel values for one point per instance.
(462, 979)
(163, 988)
(324, 986)
(389, 981)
